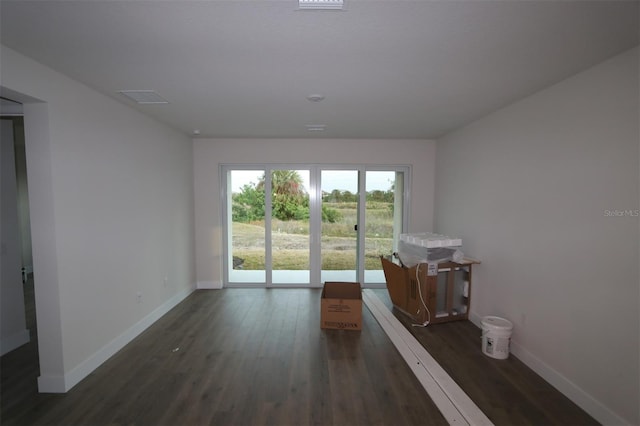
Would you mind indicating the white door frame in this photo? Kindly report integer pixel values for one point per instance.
(315, 219)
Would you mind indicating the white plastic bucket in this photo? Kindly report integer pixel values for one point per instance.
(496, 335)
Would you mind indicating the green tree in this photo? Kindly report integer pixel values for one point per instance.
(338, 196)
(287, 182)
(289, 200)
(248, 205)
(330, 215)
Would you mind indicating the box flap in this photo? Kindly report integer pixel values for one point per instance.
(341, 290)
(393, 273)
(396, 277)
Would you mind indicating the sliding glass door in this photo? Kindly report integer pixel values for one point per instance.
(245, 226)
(383, 219)
(304, 225)
(339, 236)
(290, 255)
(267, 226)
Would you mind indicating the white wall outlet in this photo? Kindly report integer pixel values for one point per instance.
(139, 297)
(166, 281)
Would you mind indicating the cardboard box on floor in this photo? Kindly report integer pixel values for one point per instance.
(341, 306)
(412, 288)
(402, 284)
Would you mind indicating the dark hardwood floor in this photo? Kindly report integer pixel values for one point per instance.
(507, 391)
(243, 357)
(258, 357)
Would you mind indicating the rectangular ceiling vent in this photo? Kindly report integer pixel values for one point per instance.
(144, 97)
(320, 4)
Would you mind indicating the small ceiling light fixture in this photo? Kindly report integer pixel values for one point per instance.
(316, 127)
(315, 97)
(144, 97)
(320, 4)
(196, 132)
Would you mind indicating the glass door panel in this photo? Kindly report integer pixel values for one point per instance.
(290, 246)
(383, 219)
(339, 235)
(246, 235)
(297, 226)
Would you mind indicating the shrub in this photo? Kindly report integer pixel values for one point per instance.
(330, 215)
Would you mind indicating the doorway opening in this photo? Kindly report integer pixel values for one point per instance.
(20, 360)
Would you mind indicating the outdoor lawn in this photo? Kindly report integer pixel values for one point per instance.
(290, 225)
(290, 240)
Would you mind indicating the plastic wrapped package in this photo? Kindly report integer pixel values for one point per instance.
(431, 240)
(428, 248)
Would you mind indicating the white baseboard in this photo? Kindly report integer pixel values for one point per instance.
(209, 285)
(52, 384)
(9, 343)
(474, 318)
(582, 399)
(62, 384)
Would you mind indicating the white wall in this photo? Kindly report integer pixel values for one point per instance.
(209, 154)
(528, 189)
(111, 197)
(13, 328)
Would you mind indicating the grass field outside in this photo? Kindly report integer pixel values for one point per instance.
(290, 240)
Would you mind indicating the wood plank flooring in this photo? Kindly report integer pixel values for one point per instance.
(258, 357)
(236, 357)
(507, 391)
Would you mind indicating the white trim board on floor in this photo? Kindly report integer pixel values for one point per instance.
(455, 405)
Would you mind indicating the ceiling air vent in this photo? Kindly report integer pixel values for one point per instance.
(320, 4)
(144, 97)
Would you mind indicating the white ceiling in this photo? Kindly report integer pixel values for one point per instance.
(388, 68)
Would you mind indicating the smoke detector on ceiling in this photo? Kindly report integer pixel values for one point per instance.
(315, 97)
(320, 4)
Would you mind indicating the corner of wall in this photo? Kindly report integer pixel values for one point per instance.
(9, 343)
(62, 384)
(209, 285)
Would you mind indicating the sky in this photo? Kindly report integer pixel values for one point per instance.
(345, 180)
